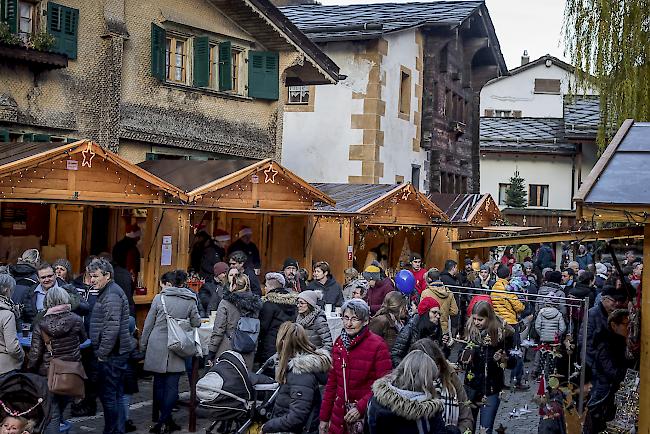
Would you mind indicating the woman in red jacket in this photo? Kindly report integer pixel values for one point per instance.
(359, 357)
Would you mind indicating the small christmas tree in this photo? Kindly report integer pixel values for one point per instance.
(516, 193)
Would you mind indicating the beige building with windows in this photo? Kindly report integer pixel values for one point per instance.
(154, 79)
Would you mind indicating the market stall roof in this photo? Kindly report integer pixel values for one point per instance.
(79, 172)
(239, 184)
(467, 208)
(618, 187)
(383, 203)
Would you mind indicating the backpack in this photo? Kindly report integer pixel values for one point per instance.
(244, 339)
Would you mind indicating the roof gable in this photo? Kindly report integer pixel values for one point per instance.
(80, 172)
(471, 208)
(533, 64)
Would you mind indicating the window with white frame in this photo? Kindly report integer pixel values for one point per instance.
(176, 59)
(298, 95)
(503, 188)
(26, 19)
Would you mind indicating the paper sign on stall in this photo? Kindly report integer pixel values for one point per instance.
(166, 253)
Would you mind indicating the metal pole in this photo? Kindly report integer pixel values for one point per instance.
(583, 353)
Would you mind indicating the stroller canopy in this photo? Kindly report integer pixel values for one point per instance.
(25, 395)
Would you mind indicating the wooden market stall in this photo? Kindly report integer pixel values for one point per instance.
(74, 200)
(618, 190)
(390, 220)
(276, 204)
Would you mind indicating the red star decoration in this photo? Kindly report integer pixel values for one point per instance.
(269, 174)
(88, 155)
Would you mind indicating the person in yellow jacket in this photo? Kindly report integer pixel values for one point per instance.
(506, 304)
(436, 289)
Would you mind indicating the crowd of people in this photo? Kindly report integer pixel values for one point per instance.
(430, 356)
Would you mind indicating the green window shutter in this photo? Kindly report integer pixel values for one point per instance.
(32, 137)
(9, 14)
(4, 136)
(63, 24)
(263, 75)
(158, 41)
(201, 71)
(151, 156)
(225, 66)
(71, 140)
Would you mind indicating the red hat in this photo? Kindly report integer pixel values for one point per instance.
(221, 235)
(426, 304)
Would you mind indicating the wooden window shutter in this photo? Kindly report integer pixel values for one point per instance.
(263, 75)
(63, 24)
(9, 14)
(201, 67)
(158, 37)
(489, 113)
(516, 113)
(4, 136)
(225, 65)
(547, 85)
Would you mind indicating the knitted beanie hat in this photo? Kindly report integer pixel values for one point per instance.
(427, 304)
(311, 297)
(372, 272)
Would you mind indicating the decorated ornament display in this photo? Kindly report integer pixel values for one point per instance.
(627, 405)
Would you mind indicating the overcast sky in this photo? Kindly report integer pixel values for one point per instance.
(533, 25)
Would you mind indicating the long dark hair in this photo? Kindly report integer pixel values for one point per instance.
(176, 278)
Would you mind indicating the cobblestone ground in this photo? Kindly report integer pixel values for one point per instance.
(141, 412)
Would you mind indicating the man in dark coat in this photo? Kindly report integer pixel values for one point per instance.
(449, 277)
(325, 282)
(111, 340)
(238, 260)
(545, 257)
(211, 291)
(24, 272)
(126, 253)
(245, 244)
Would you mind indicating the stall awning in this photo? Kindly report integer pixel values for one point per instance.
(240, 185)
(79, 172)
(581, 236)
(383, 204)
(470, 209)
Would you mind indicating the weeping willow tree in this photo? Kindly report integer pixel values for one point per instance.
(609, 43)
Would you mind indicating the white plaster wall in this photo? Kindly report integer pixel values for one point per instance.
(554, 171)
(517, 92)
(397, 153)
(316, 144)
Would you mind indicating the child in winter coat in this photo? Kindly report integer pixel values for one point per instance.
(550, 326)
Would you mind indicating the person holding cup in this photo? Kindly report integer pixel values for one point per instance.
(312, 318)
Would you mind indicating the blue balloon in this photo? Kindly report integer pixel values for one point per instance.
(405, 282)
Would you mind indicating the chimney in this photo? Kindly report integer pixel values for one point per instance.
(524, 58)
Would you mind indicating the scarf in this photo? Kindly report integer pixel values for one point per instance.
(307, 320)
(347, 339)
(8, 303)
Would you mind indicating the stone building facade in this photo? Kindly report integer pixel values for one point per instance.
(158, 79)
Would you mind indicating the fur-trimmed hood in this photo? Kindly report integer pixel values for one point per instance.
(404, 403)
(307, 363)
(281, 296)
(246, 302)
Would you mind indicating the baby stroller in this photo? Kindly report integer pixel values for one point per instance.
(25, 395)
(238, 399)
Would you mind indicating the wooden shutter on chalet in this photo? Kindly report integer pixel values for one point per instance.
(263, 75)
(158, 41)
(63, 23)
(9, 14)
(489, 113)
(225, 65)
(547, 85)
(201, 67)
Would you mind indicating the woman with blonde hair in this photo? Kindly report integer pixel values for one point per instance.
(404, 401)
(389, 319)
(301, 367)
(457, 412)
(238, 302)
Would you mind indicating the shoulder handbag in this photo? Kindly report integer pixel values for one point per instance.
(357, 426)
(181, 336)
(64, 377)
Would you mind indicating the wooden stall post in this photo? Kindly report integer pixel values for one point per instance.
(69, 230)
(644, 369)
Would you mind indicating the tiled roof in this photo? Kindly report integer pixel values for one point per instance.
(337, 22)
(581, 116)
(524, 134)
(13, 151)
(458, 207)
(625, 180)
(352, 197)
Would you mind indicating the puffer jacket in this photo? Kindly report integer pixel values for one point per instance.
(279, 306)
(506, 304)
(109, 323)
(384, 325)
(298, 401)
(448, 306)
(318, 332)
(332, 292)
(550, 324)
(397, 411)
(26, 279)
(552, 289)
(11, 353)
(377, 294)
(233, 306)
(366, 360)
(409, 334)
(66, 332)
(181, 304)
